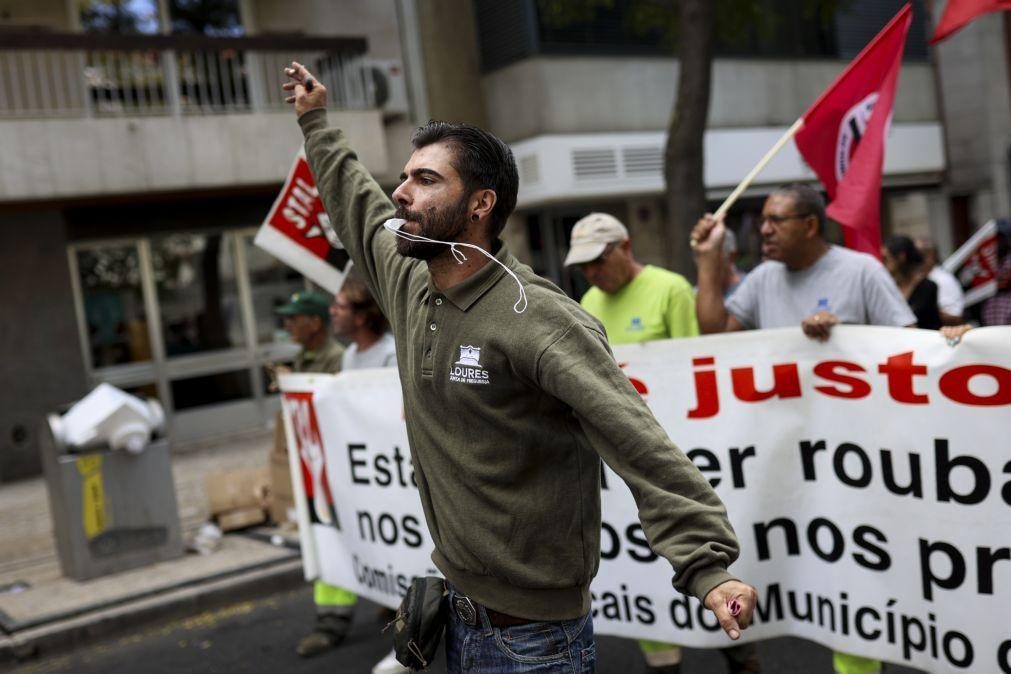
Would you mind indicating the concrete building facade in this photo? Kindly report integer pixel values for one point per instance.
(138, 162)
(974, 74)
(604, 93)
(141, 151)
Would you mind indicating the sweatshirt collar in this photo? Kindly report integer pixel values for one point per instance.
(464, 294)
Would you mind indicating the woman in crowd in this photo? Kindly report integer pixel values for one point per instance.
(904, 262)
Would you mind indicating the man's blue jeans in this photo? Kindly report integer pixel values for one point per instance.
(564, 647)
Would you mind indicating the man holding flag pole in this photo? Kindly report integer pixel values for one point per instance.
(804, 279)
(842, 137)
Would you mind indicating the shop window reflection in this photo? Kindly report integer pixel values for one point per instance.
(113, 305)
(211, 389)
(197, 293)
(272, 283)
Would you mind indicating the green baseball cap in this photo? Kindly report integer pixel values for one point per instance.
(310, 303)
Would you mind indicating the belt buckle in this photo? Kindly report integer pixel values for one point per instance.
(465, 609)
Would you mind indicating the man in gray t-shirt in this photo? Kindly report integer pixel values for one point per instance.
(804, 280)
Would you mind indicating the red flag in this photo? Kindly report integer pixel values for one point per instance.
(843, 137)
(957, 13)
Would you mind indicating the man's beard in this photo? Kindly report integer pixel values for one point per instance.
(444, 225)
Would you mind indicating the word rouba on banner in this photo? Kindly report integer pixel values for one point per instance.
(855, 467)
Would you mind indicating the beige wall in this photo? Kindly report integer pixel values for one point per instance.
(53, 14)
(374, 20)
(58, 158)
(590, 95)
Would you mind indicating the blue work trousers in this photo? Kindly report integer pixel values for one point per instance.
(564, 647)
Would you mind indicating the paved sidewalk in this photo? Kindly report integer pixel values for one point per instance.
(41, 610)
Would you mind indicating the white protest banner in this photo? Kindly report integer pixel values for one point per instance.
(297, 230)
(868, 479)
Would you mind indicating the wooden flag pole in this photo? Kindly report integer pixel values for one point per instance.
(790, 133)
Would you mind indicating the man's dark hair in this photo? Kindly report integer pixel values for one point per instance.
(483, 162)
(807, 200)
(364, 304)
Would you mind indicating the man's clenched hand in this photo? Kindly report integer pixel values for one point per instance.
(733, 603)
(819, 325)
(307, 91)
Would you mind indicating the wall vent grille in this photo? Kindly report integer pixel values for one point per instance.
(594, 164)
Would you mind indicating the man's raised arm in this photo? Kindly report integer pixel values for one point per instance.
(707, 246)
(355, 203)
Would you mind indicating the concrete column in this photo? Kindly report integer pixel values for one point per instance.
(448, 32)
(42, 363)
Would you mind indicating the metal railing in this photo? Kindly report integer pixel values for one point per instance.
(80, 75)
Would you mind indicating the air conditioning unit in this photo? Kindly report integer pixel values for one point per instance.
(389, 85)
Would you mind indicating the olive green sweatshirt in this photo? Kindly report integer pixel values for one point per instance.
(508, 416)
(326, 359)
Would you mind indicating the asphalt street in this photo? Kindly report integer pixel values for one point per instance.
(259, 637)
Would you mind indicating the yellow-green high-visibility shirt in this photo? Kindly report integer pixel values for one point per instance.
(656, 304)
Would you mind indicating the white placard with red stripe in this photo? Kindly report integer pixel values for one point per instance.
(297, 231)
(868, 479)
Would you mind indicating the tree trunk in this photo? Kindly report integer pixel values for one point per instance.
(683, 158)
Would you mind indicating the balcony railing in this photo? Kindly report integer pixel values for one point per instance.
(79, 75)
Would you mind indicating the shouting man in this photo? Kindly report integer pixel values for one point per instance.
(512, 398)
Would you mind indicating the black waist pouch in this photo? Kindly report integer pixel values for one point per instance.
(420, 622)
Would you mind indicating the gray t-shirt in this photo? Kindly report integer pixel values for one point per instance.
(381, 354)
(853, 286)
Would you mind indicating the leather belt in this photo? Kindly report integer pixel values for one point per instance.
(467, 610)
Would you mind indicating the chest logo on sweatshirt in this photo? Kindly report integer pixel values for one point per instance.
(468, 370)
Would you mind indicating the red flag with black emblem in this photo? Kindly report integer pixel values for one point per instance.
(843, 136)
(957, 13)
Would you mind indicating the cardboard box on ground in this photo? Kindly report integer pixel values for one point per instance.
(282, 500)
(248, 496)
(240, 518)
(239, 498)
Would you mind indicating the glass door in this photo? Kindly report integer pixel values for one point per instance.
(114, 303)
(187, 318)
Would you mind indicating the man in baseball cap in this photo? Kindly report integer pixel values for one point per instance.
(591, 236)
(639, 303)
(635, 302)
(307, 320)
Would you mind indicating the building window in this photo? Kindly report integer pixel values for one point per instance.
(120, 17)
(211, 389)
(272, 284)
(513, 30)
(215, 18)
(113, 305)
(197, 293)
